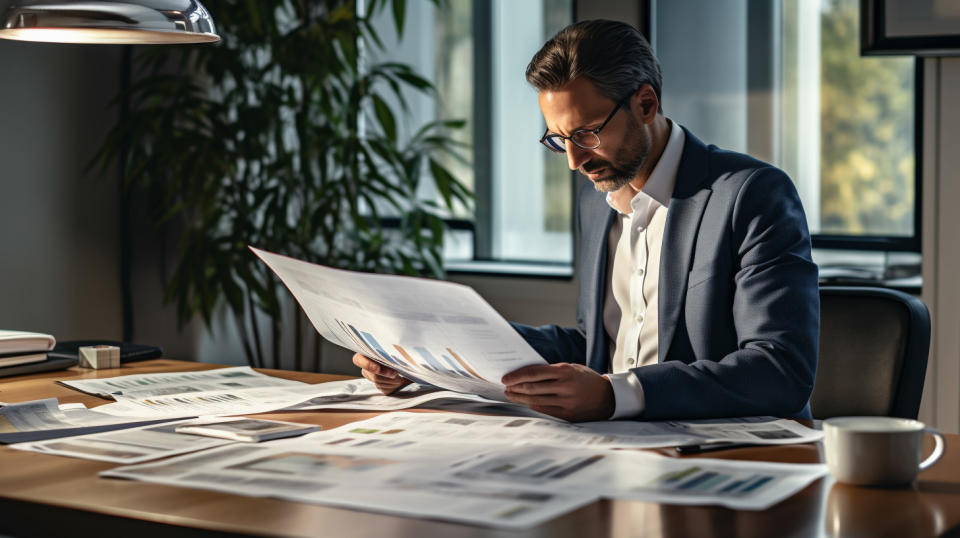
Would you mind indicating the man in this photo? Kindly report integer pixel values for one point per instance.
(698, 295)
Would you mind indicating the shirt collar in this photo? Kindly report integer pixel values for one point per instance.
(660, 184)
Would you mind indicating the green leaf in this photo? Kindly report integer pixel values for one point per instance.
(416, 81)
(399, 13)
(385, 117)
(443, 180)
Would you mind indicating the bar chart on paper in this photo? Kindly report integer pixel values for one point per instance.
(416, 361)
(695, 479)
(748, 485)
(521, 468)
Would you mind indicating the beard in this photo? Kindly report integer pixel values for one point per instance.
(627, 162)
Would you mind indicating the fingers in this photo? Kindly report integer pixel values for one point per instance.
(369, 365)
(558, 412)
(391, 388)
(548, 405)
(532, 374)
(550, 400)
(386, 379)
(386, 385)
(380, 379)
(542, 388)
(568, 391)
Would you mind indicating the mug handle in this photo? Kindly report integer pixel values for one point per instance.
(937, 450)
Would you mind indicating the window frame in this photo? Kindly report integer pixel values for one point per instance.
(483, 214)
(865, 242)
(481, 226)
(893, 243)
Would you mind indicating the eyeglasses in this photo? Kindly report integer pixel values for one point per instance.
(582, 138)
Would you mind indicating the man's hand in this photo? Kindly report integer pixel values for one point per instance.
(569, 391)
(386, 379)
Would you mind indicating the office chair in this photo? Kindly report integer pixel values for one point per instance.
(873, 353)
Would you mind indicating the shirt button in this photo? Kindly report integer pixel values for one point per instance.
(631, 360)
(640, 271)
(639, 318)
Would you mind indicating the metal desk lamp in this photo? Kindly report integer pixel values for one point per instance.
(114, 22)
(120, 22)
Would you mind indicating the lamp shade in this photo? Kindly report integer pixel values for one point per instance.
(128, 22)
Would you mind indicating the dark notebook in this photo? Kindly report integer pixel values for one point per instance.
(51, 364)
(128, 352)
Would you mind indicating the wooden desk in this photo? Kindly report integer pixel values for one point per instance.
(46, 495)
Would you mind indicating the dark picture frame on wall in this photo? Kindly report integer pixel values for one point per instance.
(917, 27)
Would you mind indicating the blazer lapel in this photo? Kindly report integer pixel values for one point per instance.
(601, 213)
(686, 209)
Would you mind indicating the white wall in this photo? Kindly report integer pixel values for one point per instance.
(58, 233)
(941, 252)
(705, 87)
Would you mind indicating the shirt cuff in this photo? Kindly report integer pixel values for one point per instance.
(627, 395)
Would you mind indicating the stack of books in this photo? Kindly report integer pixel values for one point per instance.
(25, 352)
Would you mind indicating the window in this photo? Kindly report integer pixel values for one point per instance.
(781, 80)
(476, 53)
(784, 81)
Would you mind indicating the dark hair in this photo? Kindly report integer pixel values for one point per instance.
(613, 55)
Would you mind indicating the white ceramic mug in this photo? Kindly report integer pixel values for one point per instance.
(877, 451)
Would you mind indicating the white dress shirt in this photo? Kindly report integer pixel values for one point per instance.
(633, 272)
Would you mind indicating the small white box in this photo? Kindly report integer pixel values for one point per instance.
(100, 357)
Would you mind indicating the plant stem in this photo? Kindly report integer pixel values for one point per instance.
(275, 341)
(255, 327)
(244, 338)
(297, 338)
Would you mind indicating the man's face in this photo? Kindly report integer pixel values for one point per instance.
(624, 142)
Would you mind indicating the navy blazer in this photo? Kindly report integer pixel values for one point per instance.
(739, 307)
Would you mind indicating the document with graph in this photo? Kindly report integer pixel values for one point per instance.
(433, 332)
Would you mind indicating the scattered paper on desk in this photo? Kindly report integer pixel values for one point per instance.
(363, 395)
(45, 419)
(162, 384)
(737, 484)
(222, 402)
(644, 476)
(307, 469)
(46, 415)
(358, 395)
(483, 429)
(753, 430)
(128, 446)
(419, 470)
(248, 430)
(437, 332)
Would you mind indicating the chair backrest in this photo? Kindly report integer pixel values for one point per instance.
(873, 353)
